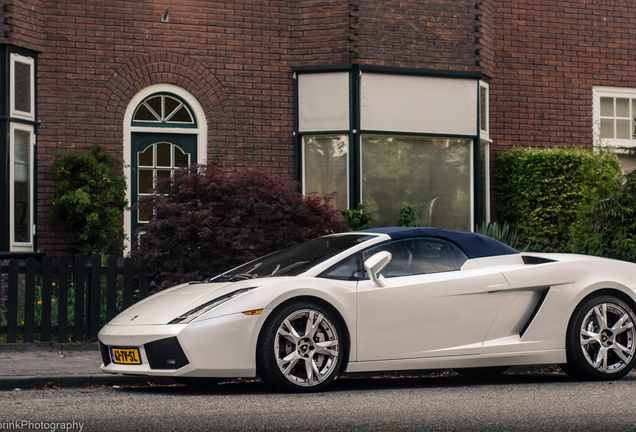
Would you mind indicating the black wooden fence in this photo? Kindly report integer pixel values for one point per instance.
(82, 296)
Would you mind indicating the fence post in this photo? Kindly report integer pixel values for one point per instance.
(128, 283)
(29, 300)
(94, 297)
(12, 312)
(47, 280)
(143, 279)
(80, 279)
(111, 289)
(62, 299)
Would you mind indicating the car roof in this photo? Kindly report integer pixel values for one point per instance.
(474, 245)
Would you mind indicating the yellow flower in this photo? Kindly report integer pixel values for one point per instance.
(40, 302)
(22, 322)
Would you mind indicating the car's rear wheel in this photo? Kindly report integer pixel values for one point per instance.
(300, 348)
(601, 340)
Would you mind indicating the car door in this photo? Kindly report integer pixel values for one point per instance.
(429, 307)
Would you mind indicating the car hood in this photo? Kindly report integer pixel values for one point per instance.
(163, 307)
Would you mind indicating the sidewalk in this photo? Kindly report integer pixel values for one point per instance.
(32, 365)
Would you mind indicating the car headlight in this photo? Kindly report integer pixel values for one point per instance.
(200, 310)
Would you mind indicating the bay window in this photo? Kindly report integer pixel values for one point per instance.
(391, 138)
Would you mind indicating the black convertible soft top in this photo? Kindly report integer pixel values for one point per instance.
(474, 245)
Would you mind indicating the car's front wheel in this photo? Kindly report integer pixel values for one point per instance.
(300, 348)
(601, 340)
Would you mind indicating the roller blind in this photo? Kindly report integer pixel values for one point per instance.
(418, 104)
(323, 101)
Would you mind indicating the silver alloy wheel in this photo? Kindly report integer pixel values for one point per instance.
(607, 338)
(306, 347)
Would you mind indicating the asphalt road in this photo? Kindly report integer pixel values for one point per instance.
(547, 402)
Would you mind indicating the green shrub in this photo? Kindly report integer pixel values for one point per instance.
(207, 221)
(540, 191)
(505, 234)
(356, 219)
(407, 218)
(607, 227)
(91, 200)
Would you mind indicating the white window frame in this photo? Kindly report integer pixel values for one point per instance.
(485, 144)
(12, 111)
(484, 133)
(612, 92)
(13, 245)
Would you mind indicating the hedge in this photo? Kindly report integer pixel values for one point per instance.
(607, 227)
(541, 191)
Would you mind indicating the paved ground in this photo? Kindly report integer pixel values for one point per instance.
(537, 402)
(59, 365)
(67, 365)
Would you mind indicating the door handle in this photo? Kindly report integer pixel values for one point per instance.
(496, 287)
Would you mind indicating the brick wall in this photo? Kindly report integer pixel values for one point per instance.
(436, 34)
(549, 55)
(21, 23)
(485, 28)
(322, 32)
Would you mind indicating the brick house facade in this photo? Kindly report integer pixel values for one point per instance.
(272, 84)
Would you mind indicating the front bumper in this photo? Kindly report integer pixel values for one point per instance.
(223, 347)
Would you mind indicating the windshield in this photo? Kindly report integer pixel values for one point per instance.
(294, 260)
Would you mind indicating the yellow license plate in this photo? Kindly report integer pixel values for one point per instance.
(125, 355)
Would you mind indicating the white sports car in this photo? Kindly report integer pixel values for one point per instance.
(384, 300)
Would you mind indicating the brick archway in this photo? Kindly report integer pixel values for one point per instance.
(164, 68)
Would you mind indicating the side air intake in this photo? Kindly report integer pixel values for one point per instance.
(532, 260)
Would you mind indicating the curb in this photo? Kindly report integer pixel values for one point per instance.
(48, 346)
(80, 381)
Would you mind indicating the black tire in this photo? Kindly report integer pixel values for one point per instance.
(314, 355)
(601, 340)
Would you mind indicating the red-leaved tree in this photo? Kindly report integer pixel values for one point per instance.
(208, 221)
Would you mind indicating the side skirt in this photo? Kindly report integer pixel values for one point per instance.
(483, 360)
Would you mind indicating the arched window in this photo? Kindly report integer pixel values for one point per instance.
(163, 110)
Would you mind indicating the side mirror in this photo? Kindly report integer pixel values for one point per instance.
(374, 266)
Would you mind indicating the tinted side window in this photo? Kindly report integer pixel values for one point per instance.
(348, 269)
(419, 256)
